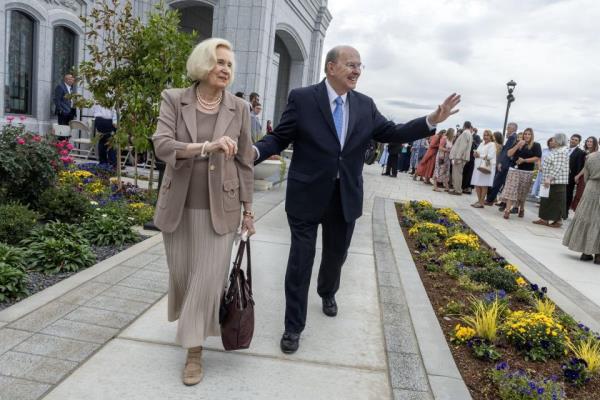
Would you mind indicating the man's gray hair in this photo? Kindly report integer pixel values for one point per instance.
(560, 139)
(514, 124)
(332, 56)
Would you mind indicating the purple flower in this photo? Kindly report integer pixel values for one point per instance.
(502, 366)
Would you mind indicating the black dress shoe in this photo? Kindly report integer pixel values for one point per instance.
(289, 342)
(329, 306)
(586, 257)
(597, 259)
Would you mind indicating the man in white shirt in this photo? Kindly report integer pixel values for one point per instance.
(105, 122)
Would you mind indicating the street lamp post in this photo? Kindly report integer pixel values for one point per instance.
(509, 99)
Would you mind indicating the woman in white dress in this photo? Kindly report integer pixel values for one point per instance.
(485, 160)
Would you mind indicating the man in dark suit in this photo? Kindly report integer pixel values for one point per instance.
(64, 107)
(391, 169)
(576, 162)
(330, 126)
(504, 163)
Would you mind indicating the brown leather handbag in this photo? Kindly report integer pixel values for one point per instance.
(236, 314)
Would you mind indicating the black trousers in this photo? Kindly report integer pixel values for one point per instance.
(570, 192)
(337, 234)
(499, 180)
(468, 174)
(64, 119)
(106, 154)
(392, 165)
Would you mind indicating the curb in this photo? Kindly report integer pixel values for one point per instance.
(53, 292)
(441, 371)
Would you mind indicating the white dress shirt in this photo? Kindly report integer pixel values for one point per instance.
(105, 113)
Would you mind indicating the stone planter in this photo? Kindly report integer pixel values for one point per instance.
(263, 171)
(287, 153)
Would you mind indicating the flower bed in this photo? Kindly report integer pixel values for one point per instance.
(57, 217)
(508, 339)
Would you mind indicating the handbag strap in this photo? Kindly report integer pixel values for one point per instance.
(237, 264)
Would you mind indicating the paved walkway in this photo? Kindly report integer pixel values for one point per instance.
(108, 338)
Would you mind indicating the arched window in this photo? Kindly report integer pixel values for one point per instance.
(19, 63)
(63, 53)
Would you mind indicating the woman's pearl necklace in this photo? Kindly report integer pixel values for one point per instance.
(209, 105)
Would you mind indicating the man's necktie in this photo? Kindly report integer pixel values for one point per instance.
(338, 116)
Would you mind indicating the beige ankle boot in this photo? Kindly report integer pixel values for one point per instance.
(192, 372)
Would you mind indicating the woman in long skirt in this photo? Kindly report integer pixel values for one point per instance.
(427, 164)
(583, 234)
(208, 179)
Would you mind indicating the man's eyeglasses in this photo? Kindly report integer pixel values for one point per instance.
(355, 67)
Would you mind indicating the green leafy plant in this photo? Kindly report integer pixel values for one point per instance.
(518, 385)
(452, 308)
(64, 204)
(16, 221)
(103, 230)
(483, 349)
(13, 279)
(140, 212)
(466, 283)
(427, 214)
(28, 164)
(545, 306)
(58, 247)
(496, 277)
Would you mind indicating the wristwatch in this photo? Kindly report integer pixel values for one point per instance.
(248, 214)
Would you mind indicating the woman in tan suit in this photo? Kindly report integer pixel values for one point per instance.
(203, 135)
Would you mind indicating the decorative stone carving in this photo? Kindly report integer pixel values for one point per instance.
(69, 4)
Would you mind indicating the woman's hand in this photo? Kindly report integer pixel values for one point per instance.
(225, 144)
(520, 161)
(248, 225)
(476, 154)
(547, 182)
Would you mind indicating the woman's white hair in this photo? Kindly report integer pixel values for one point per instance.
(560, 139)
(204, 58)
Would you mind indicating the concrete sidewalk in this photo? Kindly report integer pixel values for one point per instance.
(339, 358)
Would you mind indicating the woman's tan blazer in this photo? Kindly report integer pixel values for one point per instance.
(230, 182)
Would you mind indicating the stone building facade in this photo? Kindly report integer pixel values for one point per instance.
(278, 46)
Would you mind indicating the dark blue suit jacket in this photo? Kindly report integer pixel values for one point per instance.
(318, 157)
(63, 106)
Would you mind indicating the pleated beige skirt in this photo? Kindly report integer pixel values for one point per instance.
(198, 260)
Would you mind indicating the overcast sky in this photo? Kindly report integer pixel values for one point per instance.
(417, 52)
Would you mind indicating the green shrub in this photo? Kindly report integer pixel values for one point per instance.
(104, 230)
(13, 279)
(428, 214)
(27, 164)
(140, 212)
(13, 282)
(16, 221)
(58, 247)
(64, 204)
(496, 277)
(471, 258)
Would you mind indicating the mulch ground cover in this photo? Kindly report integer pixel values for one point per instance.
(441, 289)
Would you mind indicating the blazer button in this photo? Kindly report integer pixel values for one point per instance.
(340, 158)
(212, 167)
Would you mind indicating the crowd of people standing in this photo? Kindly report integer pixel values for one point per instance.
(506, 171)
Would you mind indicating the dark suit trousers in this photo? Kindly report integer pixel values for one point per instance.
(336, 234)
(392, 165)
(64, 119)
(468, 174)
(499, 180)
(570, 190)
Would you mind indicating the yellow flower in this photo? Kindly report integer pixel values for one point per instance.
(520, 281)
(463, 240)
(424, 203)
(511, 268)
(438, 229)
(449, 214)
